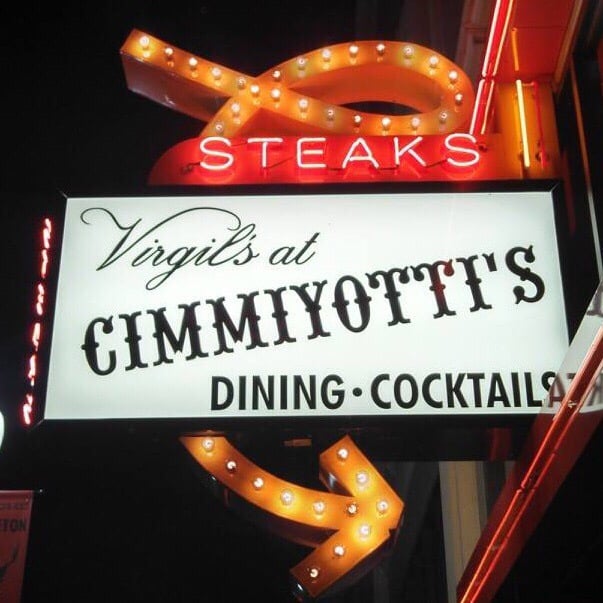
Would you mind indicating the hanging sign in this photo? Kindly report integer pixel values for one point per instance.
(15, 511)
(320, 305)
(350, 533)
(294, 122)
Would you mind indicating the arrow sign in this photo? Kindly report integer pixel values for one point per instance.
(307, 93)
(348, 530)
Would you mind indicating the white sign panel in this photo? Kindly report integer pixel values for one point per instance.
(306, 306)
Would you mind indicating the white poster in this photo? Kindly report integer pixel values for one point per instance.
(308, 305)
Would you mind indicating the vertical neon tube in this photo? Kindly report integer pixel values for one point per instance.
(522, 123)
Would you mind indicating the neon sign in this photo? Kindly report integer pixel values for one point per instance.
(40, 303)
(217, 159)
(291, 123)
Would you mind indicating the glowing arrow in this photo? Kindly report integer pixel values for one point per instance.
(347, 531)
(306, 94)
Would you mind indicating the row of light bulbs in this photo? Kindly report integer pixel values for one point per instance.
(319, 507)
(330, 113)
(408, 53)
(216, 75)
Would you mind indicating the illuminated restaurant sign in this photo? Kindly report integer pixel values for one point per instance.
(295, 122)
(321, 305)
(308, 159)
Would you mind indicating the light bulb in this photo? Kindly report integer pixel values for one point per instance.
(168, 51)
(364, 530)
(433, 61)
(219, 127)
(386, 123)
(254, 89)
(443, 117)
(258, 483)
(382, 506)
(235, 109)
(408, 52)
(144, 42)
(301, 63)
(319, 507)
(303, 104)
(339, 550)
(216, 73)
(352, 508)
(330, 113)
(415, 122)
(231, 466)
(326, 55)
(208, 444)
(314, 572)
(276, 75)
(275, 93)
(342, 454)
(241, 83)
(458, 98)
(453, 76)
(286, 497)
(357, 120)
(353, 50)
(362, 478)
(380, 48)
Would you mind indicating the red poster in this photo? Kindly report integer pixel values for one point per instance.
(15, 512)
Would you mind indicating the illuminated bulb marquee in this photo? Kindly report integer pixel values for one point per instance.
(349, 532)
(290, 124)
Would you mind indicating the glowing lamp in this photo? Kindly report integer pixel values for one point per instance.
(319, 507)
(360, 524)
(339, 550)
(208, 444)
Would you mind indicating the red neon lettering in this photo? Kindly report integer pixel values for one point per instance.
(44, 264)
(47, 232)
(222, 154)
(27, 409)
(302, 152)
(466, 151)
(36, 333)
(351, 156)
(40, 300)
(409, 148)
(31, 374)
(264, 142)
(35, 336)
